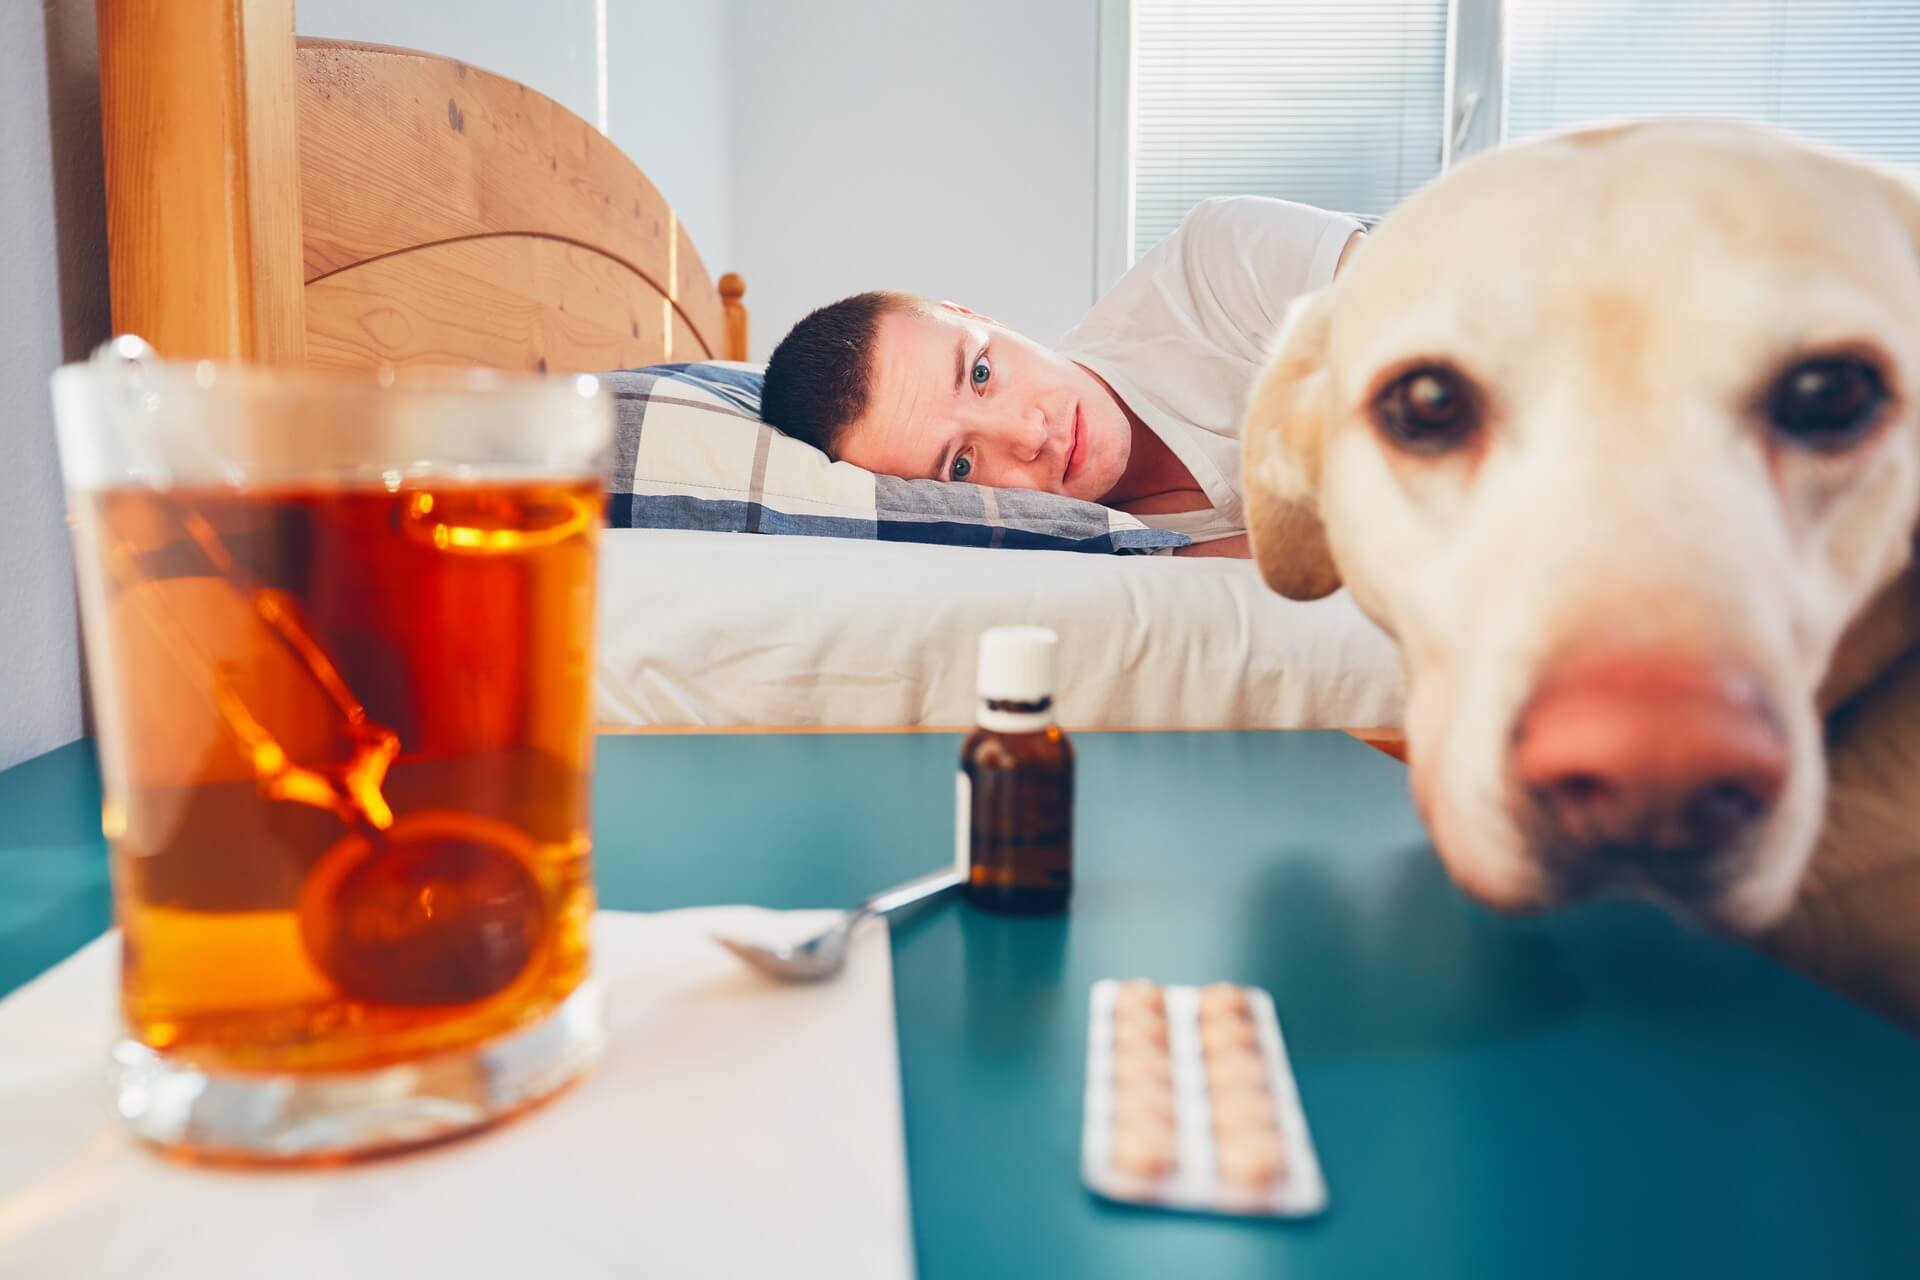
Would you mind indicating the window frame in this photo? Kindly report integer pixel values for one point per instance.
(1474, 100)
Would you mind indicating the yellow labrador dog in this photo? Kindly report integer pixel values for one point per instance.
(1618, 434)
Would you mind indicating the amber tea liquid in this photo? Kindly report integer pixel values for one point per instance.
(346, 744)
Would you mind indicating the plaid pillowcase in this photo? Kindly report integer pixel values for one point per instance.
(690, 452)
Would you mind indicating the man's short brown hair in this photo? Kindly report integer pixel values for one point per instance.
(818, 377)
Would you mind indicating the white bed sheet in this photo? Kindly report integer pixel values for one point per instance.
(745, 629)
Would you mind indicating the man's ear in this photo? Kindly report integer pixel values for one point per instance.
(968, 311)
(1285, 437)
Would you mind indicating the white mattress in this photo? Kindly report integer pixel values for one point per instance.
(745, 629)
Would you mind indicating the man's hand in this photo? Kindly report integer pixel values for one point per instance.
(1237, 546)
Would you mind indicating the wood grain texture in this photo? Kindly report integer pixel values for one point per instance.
(203, 207)
(1391, 741)
(732, 289)
(683, 343)
(401, 149)
(510, 301)
(695, 295)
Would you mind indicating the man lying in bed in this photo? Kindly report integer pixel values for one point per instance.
(1139, 408)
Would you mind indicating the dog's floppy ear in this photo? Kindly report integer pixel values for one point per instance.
(1284, 430)
(1901, 186)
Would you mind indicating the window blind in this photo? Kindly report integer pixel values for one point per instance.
(1841, 72)
(1335, 103)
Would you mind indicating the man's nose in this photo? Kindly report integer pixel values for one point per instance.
(1023, 434)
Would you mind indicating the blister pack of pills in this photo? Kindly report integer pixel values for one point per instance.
(1191, 1103)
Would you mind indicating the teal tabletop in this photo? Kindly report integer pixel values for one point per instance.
(1601, 1092)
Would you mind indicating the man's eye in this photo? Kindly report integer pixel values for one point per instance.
(982, 374)
(962, 467)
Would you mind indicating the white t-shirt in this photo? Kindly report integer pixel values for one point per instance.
(1182, 336)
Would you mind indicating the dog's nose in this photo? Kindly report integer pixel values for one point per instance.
(1650, 757)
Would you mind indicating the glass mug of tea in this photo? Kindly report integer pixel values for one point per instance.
(339, 635)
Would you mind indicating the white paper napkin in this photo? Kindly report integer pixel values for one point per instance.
(736, 1127)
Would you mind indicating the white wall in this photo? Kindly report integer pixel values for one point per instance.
(946, 149)
(668, 103)
(670, 109)
(53, 307)
(823, 148)
(548, 45)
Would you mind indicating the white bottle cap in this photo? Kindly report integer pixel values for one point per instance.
(1016, 663)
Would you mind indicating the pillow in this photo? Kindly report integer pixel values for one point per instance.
(690, 452)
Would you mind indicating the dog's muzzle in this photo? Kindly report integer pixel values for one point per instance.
(1648, 768)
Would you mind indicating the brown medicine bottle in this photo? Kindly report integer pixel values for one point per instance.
(1014, 806)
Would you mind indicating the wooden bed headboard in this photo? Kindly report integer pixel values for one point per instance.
(299, 202)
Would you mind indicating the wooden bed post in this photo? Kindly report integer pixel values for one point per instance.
(203, 196)
(732, 289)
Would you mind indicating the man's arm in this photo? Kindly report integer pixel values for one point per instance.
(1246, 258)
(1240, 547)
(1353, 242)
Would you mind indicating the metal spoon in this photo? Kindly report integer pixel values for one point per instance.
(823, 954)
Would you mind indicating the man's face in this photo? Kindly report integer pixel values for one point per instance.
(954, 396)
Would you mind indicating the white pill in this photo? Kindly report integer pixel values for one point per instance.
(1136, 994)
(1235, 1069)
(1134, 1068)
(1145, 1028)
(1243, 1111)
(1145, 1151)
(1220, 1035)
(1222, 1000)
(1251, 1159)
(1147, 1106)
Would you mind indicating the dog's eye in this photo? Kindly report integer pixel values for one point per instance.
(1428, 410)
(1826, 403)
